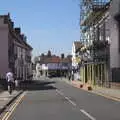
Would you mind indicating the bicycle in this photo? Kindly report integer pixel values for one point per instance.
(10, 87)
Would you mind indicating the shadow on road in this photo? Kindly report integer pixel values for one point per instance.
(37, 85)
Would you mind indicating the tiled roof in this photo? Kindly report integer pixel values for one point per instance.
(66, 60)
(53, 59)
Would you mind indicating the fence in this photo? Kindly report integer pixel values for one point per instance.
(95, 74)
(3, 84)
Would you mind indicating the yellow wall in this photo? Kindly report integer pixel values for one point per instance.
(100, 73)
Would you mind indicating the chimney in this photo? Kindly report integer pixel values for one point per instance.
(23, 37)
(17, 30)
(8, 15)
(12, 24)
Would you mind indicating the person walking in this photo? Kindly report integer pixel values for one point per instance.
(16, 84)
(69, 76)
(10, 81)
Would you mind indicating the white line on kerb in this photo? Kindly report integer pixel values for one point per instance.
(87, 114)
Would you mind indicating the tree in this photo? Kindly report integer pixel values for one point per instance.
(42, 55)
(62, 56)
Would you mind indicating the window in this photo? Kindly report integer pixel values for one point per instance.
(107, 30)
(101, 32)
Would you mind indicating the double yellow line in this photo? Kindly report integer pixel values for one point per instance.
(13, 107)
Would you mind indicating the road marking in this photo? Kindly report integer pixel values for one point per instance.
(53, 85)
(61, 93)
(13, 107)
(87, 114)
(73, 103)
(68, 99)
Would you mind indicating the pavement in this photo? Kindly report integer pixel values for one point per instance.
(53, 99)
(106, 92)
(6, 99)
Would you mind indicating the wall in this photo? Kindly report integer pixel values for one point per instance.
(115, 39)
(114, 36)
(3, 48)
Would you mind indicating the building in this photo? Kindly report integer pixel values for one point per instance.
(49, 64)
(115, 40)
(38, 70)
(76, 59)
(14, 50)
(95, 35)
(77, 45)
(53, 64)
(100, 33)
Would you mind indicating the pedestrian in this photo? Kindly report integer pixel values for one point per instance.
(69, 76)
(10, 81)
(17, 84)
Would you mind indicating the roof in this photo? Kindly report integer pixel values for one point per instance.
(53, 59)
(28, 45)
(11, 23)
(66, 60)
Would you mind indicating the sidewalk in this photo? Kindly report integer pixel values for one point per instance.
(6, 99)
(106, 92)
(115, 93)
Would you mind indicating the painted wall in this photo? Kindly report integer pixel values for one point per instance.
(114, 36)
(3, 48)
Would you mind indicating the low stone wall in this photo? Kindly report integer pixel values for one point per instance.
(3, 84)
(115, 74)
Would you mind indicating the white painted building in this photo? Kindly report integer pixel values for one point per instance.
(15, 52)
(75, 54)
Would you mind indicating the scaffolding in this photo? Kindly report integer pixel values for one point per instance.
(91, 12)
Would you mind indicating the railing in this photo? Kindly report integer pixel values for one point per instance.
(3, 84)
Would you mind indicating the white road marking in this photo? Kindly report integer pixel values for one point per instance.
(58, 91)
(68, 99)
(74, 104)
(53, 85)
(87, 114)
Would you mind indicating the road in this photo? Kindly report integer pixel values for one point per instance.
(57, 100)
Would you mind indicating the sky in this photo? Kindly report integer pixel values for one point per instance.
(48, 24)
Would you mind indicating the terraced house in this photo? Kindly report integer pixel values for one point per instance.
(14, 50)
(99, 28)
